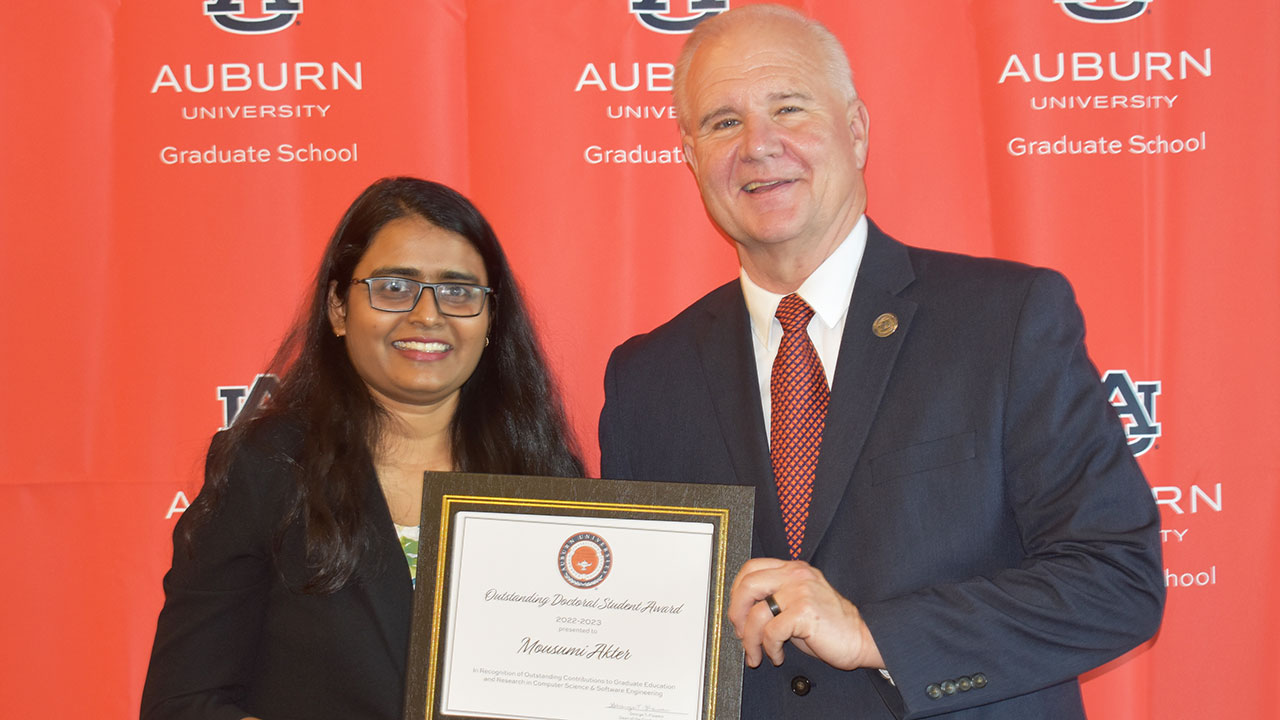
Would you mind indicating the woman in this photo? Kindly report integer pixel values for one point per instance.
(290, 592)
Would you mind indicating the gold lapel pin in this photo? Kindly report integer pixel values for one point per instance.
(885, 325)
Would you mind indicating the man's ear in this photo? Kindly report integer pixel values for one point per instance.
(859, 125)
(687, 147)
(337, 310)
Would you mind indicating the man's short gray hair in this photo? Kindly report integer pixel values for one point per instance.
(834, 58)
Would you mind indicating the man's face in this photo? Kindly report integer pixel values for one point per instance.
(777, 150)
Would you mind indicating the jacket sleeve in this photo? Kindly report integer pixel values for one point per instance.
(612, 432)
(215, 601)
(1090, 586)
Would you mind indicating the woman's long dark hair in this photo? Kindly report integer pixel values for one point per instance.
(509, 417)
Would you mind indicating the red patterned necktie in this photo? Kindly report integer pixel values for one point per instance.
(798, 396)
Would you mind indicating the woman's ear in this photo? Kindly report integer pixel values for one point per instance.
(337, 310)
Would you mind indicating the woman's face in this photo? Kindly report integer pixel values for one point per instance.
(420, 357)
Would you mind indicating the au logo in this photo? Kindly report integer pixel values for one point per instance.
(230, 15)
(245, 399)
(1104, 11)
(657, 15)
(1135, 403)
(585, 560)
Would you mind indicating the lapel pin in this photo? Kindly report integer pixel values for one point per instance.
(885, 325)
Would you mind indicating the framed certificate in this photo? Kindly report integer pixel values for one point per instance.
(568, 599)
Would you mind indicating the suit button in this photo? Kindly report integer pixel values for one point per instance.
(949, 687)
(934, 691)
(979, 680)
(965, 683)
(800, 685)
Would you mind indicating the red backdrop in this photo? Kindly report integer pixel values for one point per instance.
(171, 171)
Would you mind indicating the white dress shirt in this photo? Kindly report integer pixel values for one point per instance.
(827, 290)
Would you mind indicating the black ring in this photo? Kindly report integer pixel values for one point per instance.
(773, 604)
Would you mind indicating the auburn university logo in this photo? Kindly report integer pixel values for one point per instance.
(585, 560)
(1135, 403)
(275, 16)
(658, 16)
(1104, 11)
(246, 400)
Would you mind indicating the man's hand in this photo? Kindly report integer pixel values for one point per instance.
(813, 616)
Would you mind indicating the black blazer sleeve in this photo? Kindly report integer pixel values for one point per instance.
(208, 632)
(238, 637)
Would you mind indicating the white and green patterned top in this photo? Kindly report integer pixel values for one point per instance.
(409, 541)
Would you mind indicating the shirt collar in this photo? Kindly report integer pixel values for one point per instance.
(827, 290)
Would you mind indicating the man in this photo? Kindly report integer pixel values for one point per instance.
(948, 520)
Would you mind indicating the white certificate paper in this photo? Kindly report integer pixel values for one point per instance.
(576, 618)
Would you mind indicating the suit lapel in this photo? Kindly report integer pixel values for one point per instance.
(862, 372)
(728, 364)
(385, 588)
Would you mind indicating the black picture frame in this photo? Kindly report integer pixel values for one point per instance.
(727, 508)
